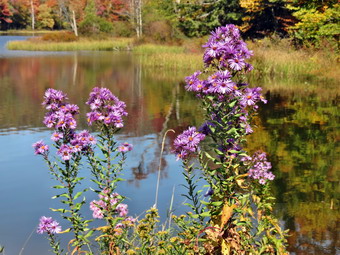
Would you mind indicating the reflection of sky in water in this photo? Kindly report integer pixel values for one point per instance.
(25, 187)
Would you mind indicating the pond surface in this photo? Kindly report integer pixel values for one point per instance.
(299, 129)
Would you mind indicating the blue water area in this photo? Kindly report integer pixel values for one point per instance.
(25, 187)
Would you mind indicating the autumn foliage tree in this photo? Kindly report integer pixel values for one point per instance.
(318, 22)
(5, 12)
(112, 10)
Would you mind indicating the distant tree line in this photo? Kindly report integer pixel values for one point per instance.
(309, 22)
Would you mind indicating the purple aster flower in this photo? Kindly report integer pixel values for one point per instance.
(236, 64)
(225, 49)
(122, 210)
(40, 148)
(53, 99)
(187, 143)
(82, 141)
(56, 136)
(98, 207)
(125, 147)
(249, 98)
(48, 225)
(60, 115)
(106, 203)
(260, 168)
(65, 151)
(106, 108)
(193, 83)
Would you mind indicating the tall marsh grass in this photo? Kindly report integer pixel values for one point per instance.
(158, 49)
(172, 61)
(280, 59)
(83, 44)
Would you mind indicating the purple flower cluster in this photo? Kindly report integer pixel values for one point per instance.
(228, 98)
(251, 96)
(226, 49)
(60, 115)
(125, 147)
(106, 108)
(40, 148)
(187, 143)
(260, 168)
(79, 142)
(108, 202)
(48, 225)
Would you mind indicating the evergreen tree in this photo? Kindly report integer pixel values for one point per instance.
(198, 18)
(265, 17)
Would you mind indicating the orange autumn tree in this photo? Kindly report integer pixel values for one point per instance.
(5, 12)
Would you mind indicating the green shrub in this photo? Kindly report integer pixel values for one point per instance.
(122, 29)
(159, 31)
(95, 25)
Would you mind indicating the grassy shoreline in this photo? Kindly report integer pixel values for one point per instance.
(81, 44)
(271, 59)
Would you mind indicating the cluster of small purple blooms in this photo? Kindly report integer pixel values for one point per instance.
(259, 167)
(48, 225)
(111, 203)
(106, 108)
(61, 117)
(227, 53)
(106, 203)
(226, 49)
(187, 143)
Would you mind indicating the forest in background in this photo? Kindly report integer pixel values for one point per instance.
(311, 23)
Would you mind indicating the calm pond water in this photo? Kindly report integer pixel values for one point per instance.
(299, 128)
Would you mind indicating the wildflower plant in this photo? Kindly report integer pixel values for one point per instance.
(234, 215)
(238, 215)
(72, 149)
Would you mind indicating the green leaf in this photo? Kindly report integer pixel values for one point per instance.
(78, 195)
(58, 187)
(62, 210)
(89, 234)
(217, 203)
(232, 104)
(233, 151)
(205, 214)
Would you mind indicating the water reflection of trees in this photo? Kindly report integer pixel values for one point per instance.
(299, 128)
(301, 132)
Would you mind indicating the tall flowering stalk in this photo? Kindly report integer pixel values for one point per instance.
(107, 112)
(71, 146)
(240, 207)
